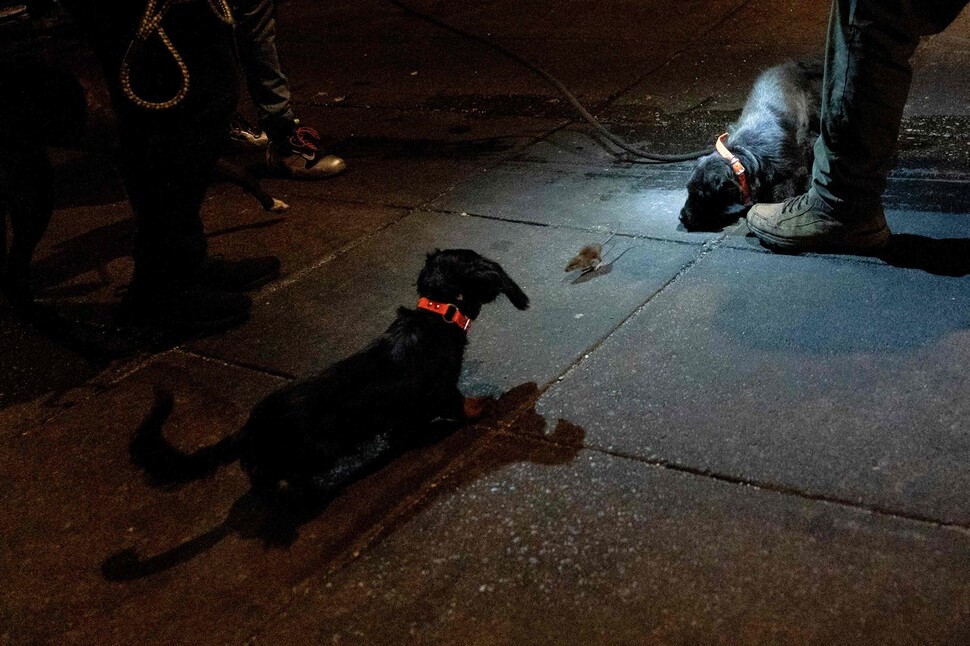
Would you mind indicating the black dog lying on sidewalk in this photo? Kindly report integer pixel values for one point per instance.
(308, 439)
(767, 154)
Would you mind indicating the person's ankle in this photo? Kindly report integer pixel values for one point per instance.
(846, 211)
(280, 128)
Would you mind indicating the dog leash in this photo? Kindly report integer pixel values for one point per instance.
(633, 154)
(448, 312)
(736, 166)
(151, 23)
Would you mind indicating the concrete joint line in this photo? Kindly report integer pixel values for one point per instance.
(706, 248)
(785, 490)
(208, 358)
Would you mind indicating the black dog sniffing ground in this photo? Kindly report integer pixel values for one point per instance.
(772, 141)
(309, 438)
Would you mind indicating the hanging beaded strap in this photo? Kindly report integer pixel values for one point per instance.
(151, 23)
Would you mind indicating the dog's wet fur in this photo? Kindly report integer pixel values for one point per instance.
(306, 440)
(774, 139)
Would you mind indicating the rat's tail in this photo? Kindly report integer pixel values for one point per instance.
(166, 464)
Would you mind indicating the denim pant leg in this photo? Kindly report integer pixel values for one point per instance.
(256, 44)
(867, 80)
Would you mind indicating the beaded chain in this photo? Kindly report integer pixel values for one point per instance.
(151, 22)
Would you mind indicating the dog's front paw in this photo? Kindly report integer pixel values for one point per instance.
(475, 408)
(278, 206)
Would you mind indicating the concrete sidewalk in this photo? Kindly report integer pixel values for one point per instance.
(703, 443)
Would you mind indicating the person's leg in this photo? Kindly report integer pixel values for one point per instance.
(294, 150)
(867, 79)
(168, 157)
(265, 81)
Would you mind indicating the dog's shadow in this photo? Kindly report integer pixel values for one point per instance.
(514, 432)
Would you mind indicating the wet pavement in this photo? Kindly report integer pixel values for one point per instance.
(700, 443)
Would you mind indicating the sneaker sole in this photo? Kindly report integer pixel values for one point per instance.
(862, 245)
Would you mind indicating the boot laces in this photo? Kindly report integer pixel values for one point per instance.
(794, 203)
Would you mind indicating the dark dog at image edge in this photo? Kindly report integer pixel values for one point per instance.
(773, 140)
(309, 438)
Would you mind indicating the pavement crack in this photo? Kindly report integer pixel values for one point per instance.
(244, 365)
(786, 490)
(299, 274)
(706, 248)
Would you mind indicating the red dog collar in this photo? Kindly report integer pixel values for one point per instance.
(448, 312)
(736, 166)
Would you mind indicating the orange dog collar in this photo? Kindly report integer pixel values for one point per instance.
(447, 311)
(736, 166)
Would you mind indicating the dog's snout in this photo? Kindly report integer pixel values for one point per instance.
(687, 218)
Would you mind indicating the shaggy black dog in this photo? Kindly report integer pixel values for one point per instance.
(309, 438)
(773, 139)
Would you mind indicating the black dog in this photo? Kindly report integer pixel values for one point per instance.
(306, 440)
(773, 142)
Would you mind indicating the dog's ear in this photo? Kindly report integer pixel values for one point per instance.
(432, 280)
(494, 281)
(513, 292)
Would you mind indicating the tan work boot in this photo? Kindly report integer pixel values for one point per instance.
(805, 223)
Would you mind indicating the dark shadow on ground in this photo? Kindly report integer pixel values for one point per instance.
(943, 257)
(49, 349)
(479, 452)
(90, 251)
(33, 365)
(87, 179)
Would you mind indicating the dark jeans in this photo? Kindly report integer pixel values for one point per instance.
(867, 79)
(256, 44)
(168, 156)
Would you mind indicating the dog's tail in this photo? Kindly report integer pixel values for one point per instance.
(165, 464)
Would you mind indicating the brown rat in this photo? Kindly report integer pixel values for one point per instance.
(589, 257)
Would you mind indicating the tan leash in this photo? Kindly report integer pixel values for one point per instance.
(151, 23)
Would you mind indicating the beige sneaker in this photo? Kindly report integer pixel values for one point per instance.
(245, 136)
(805, 223)
(299, 156)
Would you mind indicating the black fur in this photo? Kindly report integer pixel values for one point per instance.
(773, 138)
(313, 436)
